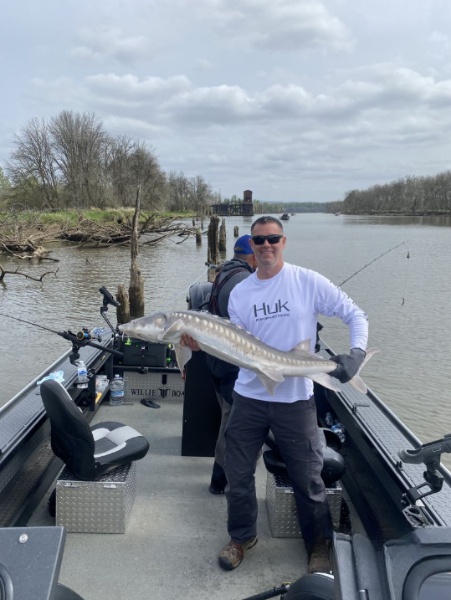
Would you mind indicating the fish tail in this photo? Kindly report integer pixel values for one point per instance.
(357, 382)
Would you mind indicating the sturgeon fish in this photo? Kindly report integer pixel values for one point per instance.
(221, 338)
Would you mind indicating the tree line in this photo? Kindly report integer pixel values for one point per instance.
(71, 162)
(430, 195)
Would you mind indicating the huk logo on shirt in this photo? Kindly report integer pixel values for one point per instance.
(265, 310)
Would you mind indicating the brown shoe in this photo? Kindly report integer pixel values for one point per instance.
(319, 559)
(231, 555)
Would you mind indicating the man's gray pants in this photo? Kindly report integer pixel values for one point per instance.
(296, 432)
(225, 407)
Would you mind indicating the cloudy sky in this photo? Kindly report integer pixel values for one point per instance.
(298, 100)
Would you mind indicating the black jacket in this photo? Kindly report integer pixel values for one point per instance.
(233, 271)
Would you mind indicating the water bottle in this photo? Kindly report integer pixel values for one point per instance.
(329, 419)
(117, 391)
(82, 375)
(339, 430)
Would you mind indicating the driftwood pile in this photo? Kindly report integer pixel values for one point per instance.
(27, 242)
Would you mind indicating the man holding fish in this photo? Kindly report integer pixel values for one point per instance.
(279, 304)
(271, 337)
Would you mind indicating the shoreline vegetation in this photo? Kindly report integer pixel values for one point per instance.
(27, 231)
(70, 161)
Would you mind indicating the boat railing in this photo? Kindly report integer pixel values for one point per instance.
(379, 436)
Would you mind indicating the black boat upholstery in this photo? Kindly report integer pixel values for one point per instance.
(89, 452)
(318, 586)
(334, 463)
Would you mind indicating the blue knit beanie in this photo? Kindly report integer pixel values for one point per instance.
(242, 245)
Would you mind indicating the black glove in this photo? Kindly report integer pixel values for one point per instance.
(348, 364)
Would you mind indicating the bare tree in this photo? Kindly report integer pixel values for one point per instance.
(5, 189)
(78, 148)
(32, 169)
(146, 172)
(117, 169)
(201, 195)
(73, 162)
(132, 164)
(178, 191)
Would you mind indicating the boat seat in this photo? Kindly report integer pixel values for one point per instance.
(334, 463)
(318, 586)
(89, 452)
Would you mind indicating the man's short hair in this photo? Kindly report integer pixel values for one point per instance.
(267, 219)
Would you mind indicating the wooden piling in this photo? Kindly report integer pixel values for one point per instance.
(223, 237)
(198, 237)
(213, 241)
(211, 273)
(136, 288)
(236, 231)
(122, 311)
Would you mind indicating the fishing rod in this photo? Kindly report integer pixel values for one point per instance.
(371, 262)
(276, 591)
(81, 338)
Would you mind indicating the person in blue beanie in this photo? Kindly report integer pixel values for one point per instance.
(223, 373)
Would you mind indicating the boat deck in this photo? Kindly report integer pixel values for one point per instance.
(176, 528)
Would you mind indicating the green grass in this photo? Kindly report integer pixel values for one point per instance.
(70, 218)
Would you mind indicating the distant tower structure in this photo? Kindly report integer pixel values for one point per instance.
(248, 207)
(243, 207)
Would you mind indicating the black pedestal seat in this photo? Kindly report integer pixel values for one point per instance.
(334, 463)
(318, 586)
(89, 452)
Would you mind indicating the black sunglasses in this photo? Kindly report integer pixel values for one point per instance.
(259, 240)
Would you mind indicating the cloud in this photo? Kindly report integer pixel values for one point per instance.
(276, 25)
(101, 45)
(218, 105)
(365, 103)
(273, 93)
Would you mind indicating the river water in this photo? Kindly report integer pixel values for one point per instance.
(397, 271)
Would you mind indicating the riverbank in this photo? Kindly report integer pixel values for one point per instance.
(27, 233)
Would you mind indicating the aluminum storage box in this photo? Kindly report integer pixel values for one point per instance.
(281, 506)
(157, 385)
(101, 506)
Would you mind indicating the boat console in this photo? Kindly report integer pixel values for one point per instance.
(30, 561)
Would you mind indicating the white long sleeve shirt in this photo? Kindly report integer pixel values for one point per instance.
(282, 312)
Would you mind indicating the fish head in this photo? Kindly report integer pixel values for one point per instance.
(149, 329)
